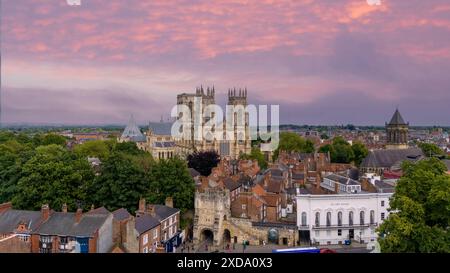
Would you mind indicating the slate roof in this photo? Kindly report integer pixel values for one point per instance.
(100, 210)
(230, 184)
(342, 179)
(298, 176)
(121, 214)
(276, 172)
(397, 119)
(388, 158)
(11, 218)
(384, 187)
(161, 128)
(163, 211)
(145, 223)
(64, 224)
(163, 144)
(194, 172)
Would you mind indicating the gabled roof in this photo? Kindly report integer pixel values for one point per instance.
(121, 214)
(11, 218)
(397, 119)
(163, 212)
(64, 224)
(388, 158)
(342, 179)
(145, 223)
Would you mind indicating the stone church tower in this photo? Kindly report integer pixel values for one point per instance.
(232, 148)
(397, 132)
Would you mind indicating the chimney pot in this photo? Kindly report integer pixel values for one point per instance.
(45, 212)
(78, 215)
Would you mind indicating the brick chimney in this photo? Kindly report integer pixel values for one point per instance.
(45, 212)
(318, 180)
(5, 206)
(169, 202)
(142, 204)
(78, 215)
(151, 210)
(336, 187)
(64, 208)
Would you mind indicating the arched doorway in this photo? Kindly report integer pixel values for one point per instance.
(226, 237)
(207, 236)
(272, 236)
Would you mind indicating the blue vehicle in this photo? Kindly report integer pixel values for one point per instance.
(297, 250)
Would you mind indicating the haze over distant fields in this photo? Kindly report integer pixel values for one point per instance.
(323, 62)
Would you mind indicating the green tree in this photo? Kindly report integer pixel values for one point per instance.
(359, 152)
(54, 176)
(256, 154)
(94, 148)
(52, 138)
(12, 157)
(171, 178)
(292, 142)
(431, 150)
(420, 207)
(128, 148)
(121, 184)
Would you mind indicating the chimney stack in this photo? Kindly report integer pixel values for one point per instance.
(336, 187)
(45, 212)
(169, 202)
(142, 204)
(151, 210)
(78, 215)
(64, 208)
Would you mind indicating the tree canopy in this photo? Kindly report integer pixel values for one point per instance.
(343, 152)
(292, 142)
(256, 154)
(32, 174)
(431, 150)
(420, 206)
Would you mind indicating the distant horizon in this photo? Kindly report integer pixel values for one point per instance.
(84, 125)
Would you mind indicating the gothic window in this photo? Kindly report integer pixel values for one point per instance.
(350, 218)
(328, 219)
(317, 219)
(340, 218)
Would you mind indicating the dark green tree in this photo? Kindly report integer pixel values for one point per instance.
(123, 181)
(171, 178)
(52, 138)
(54, 176)
(292, 142)
(359, 152)
(203, 162)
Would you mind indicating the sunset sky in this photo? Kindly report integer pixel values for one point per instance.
(322, 61)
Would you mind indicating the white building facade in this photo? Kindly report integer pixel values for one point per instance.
(333, 218)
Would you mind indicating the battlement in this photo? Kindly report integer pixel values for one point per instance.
(210, 91)
(237, 93)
